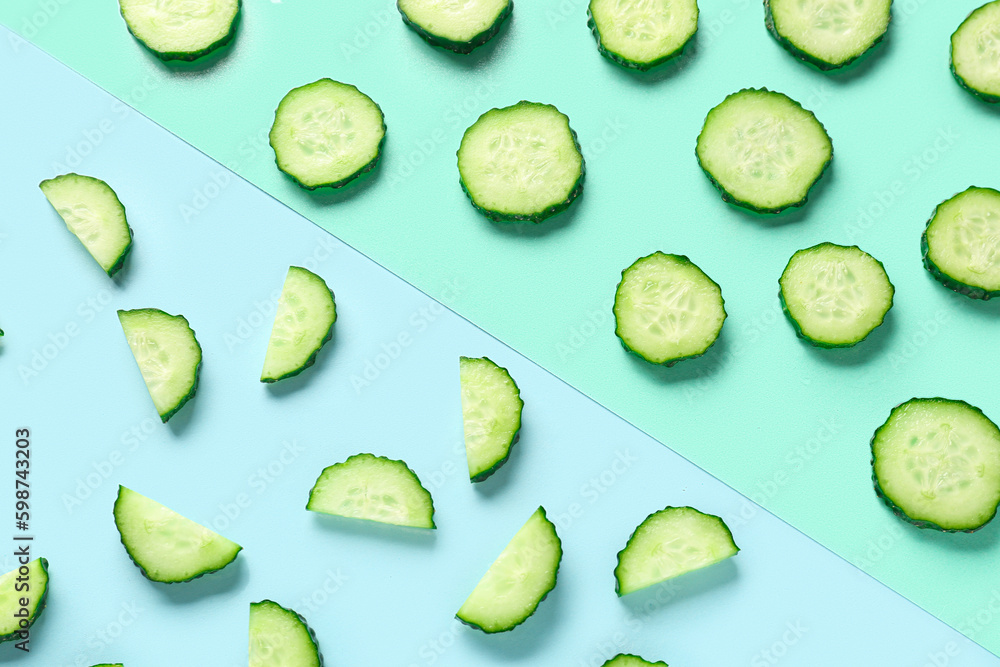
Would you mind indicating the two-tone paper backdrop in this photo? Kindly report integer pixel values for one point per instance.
(785, 424)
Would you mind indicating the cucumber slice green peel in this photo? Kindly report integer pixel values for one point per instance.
(280, 637)
(762, 150)
(975, 52)
(834, 295)
(641, 34)
(518, 580)
(457, 25)
(669, 543)
(491, 415)
(375, 488)
(961, 244)
(94, 214)
(110, 664)
(667, 309)
(166, 546)
(303, 324)
(629, 660)
(326, 134)
(936, 464)
(168, 355)
(828, 33)
(521, 163)
(37, 580)
(181, 29)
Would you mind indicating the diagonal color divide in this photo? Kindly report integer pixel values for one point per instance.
(785, 424)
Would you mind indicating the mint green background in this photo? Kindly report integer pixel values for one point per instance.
(786, 424)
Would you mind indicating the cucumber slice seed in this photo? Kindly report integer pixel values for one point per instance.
(669, 543)
(326, 134)
(762, 150)
(168, 355)
(491, 415)
(375, 488)
(166, 546)
(303, 324)
(961, 244)
(975, 52)
(667, 310)
(95, 215)
(456, 25)
(521, 163)
(640, 34)
(828, 33)
(181, 29)
(629, 660)
(11, 594)
(936, 464)
(835, 295)
(518, 580)
(280, 637)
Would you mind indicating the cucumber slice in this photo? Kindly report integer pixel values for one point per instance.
(641, 34)
(168, 355)
(961, 244)
(762, 150)
(93, 212)
(375, 488)
(827, 33)
(110, 664)
(181, 29)
(519, 579)
(975, 52)
(835, 295)
(936, 464)
(303, 324)
(491, 415)
(669, 543)
(629, 660)
(667, 310)
(279, 637)
(37, 581)
(521, 163)
(326, 134)
(456, 25)
(166, 546)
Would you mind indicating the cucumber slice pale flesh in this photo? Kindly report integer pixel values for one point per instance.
(828, 33)
(491, 415)
(975, 52)
(936, 464)
(629, 660)
(640, 34)
(961, 244)
(95, 215)
(181, 29)
(518, 580)
(17, 584)
(166, 546)
(456, 25)
(303, 324)
(669, 543)
(280, 637)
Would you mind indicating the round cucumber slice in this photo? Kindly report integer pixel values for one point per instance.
(37, 581)
(456, 25)
(280, 637)
(828, 33)
(936, 464)
(667, 310)
(641, 34)
(94, 214)
(303, 324)
(975, 52)
(834, 295)
(375, 488)
(491, 415)
(521, 163)
(762, 150)
(518, 580)
(629, 660)
(961, 244)
(166, 546)
(168, 355)
(181, 29)
(326, 134)
(669, 543)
